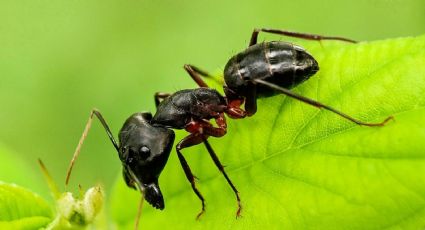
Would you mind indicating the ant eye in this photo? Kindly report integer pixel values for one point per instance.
(145, 152)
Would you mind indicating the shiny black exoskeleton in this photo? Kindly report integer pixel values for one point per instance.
(177, 110)
(145, 141)
(144, 151)
(271, 68)
(280, 63)
(262, 70)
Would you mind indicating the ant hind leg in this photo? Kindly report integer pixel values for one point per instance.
(320, 105)
(306, 36)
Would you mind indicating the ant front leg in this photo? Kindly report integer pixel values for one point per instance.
(306, 36)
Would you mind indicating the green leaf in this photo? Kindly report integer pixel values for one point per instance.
(14, 169)
(22, 209)
(298, 167)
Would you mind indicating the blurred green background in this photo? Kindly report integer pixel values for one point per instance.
(59, 59)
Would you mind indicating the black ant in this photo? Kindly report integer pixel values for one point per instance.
(262, 70)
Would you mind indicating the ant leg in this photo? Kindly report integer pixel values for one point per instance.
(316, 37)
(320, 105)
(221, 168)
(251, 100)
(196, 137)
(199, 71)
(205, 129)
(222, 124)
(191, 140)
(195, 73)
(234, 102)
(84, 136)
(158, 96)
(235, 112)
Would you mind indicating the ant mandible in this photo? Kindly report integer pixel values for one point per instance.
(262, 70)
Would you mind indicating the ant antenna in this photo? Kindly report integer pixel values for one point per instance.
(84, 136)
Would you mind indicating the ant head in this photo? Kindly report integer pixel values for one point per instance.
(144, 151)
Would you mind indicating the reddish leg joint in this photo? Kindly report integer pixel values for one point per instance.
(233, 109)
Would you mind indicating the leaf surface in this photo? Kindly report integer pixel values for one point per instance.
(22, 209)
(298, 167)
